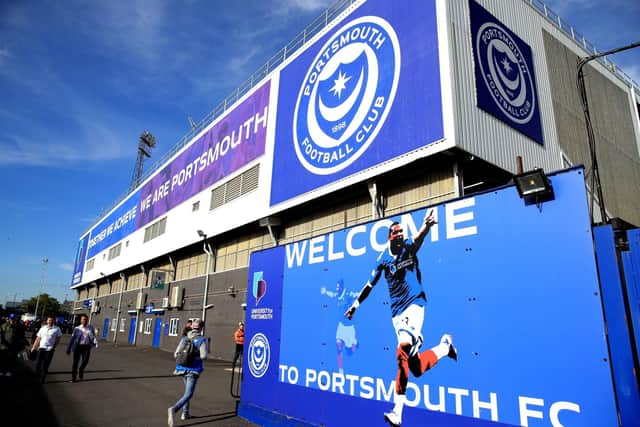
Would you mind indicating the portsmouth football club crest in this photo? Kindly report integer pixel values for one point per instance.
(346, 95)
(505, 78)
(259, 355)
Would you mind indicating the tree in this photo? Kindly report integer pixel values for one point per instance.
(48, 306)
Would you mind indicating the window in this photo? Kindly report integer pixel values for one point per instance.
(114, 252)
(147, 326)
(155, 230)
(113, 325)
(173, 327)
(195, 206)
(123, 323)
(236, 187)
(90, 264)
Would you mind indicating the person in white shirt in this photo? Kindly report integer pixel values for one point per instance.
(46, 342)
(82, 341)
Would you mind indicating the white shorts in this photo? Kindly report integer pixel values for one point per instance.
(346, 334)
(408, 326)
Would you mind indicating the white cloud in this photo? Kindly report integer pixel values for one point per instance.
(4, 55)
(565, 7)
(66, 267)
(308, 5)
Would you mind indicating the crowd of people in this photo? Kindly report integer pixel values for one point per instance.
(192, 349)
(44, 341)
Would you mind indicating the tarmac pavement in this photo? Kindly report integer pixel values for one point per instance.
(123, 386)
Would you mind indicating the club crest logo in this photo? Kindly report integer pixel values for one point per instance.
(505, 72)
(259, 355)
(259, 286)
(346, 95)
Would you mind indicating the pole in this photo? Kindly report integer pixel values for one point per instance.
(42, 274)
(122, 285)
(207, 250)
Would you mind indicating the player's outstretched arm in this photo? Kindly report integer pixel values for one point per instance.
(364, 293)
(429, 220)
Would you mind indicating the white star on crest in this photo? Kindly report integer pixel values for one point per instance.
(506, 64)
(339, 84)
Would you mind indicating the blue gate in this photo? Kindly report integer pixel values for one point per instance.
(105, 329)
(157, 331)
(132, 330)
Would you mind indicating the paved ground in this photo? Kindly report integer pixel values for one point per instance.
(123, 386)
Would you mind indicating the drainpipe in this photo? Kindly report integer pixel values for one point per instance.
(122, 285)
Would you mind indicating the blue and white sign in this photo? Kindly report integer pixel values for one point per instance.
(88, 303)
(505, 76)
(527, 332)
(364, 93)
(81, 257)
(119, 224)
(149, 309)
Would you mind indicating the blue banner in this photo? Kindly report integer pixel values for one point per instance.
(81, 257)
(119, 224)
(505, 76)
(494, 313)
(366, 92)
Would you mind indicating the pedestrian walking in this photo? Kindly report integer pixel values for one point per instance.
(47, 340)
(187, 328)
(83, 339)
(238, 338)
(189, 354)
(12, 341)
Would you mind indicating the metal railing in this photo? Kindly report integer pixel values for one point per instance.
(254, 80)
(581, 40)
(300, 40)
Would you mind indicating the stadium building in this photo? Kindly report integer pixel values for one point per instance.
(376, 108)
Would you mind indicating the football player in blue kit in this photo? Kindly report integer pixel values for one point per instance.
(400, 266)
(346, 331)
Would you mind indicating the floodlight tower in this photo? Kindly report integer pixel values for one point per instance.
(147, 142)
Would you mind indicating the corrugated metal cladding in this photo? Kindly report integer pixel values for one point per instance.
(477, 131)
(612, 118)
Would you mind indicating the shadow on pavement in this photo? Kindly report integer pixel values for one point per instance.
(205, 419)
(25, 401)
(108, 378)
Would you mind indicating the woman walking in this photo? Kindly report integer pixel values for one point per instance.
(82, 341)
(193, 349)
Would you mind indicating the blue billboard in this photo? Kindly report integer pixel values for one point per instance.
(474, 312)
(119, 224)
(81, 257)
(366, 92)
(504, 73)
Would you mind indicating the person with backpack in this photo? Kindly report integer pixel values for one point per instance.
(191, 351)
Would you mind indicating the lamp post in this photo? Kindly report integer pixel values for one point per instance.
(207, 250)
(42, 275)
(596, 186)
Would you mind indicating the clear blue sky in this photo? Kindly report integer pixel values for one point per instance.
(80, 80)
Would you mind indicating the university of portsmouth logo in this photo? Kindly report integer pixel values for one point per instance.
(346, 95)
(505, 78)
(259, 286)
(259, 355)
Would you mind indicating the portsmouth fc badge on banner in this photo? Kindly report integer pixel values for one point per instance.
(505, 77)
(346, 95)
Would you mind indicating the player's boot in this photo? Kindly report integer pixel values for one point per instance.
(448, 340)
(393, 419)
